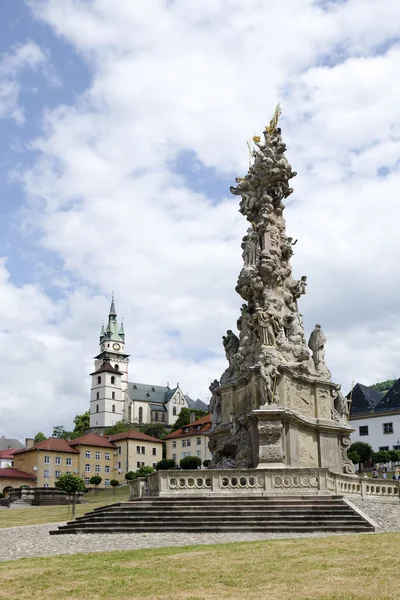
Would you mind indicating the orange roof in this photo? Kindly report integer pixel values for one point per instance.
(91, 439)
(133, 435)
(8, 453)
(15, 474)
(57, 444)
(200, 426)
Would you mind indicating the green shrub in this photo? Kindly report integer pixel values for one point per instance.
(206, 463)
(165, 464)
(2, 495)
(190, 462)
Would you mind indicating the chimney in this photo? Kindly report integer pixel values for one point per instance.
(28, 443)
(192, 416)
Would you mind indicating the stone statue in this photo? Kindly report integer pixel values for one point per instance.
(231, 345)
(316, 343)
(269, 374)
(269, 326)
(250, 248)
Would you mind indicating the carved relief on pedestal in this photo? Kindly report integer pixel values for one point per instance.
(324, 403)
(227, 408)
(305, 399)
(348, 466)
(244, 403)
(308, 449)
(270, 441)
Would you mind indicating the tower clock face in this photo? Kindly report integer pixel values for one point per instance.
(116, 346)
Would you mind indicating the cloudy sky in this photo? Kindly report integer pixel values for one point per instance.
(122, 125)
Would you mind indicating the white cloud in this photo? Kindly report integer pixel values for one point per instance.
(202, 77)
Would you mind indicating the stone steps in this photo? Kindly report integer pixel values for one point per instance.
(262, 514)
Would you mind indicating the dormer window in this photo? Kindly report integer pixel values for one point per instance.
(112, 379)
(98, 379)
(134, 386)
(153, 389)
(148, 395)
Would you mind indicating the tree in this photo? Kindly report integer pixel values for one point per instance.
(165, 464)
(130, 475)
(184, 417)
(39, 437)
(363, 450)
(382, 456)
(119, 427)
(81, 423)
(394, 456)
(156, 430)
(207, 462)
(383, 386)
(59, 431)
(141, 472)
(114, 483)
(96, 481)
(71, 484)
(353, 456)
(190, 462)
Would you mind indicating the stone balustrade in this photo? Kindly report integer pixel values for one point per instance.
(263, 482)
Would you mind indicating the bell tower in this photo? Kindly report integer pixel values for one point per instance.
(110, 377)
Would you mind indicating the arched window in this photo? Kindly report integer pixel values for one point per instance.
(140, 415)
(113, 395)
(98, 379)
(116, 367)
(156, 417)
(97, 395)
(163, 417)
(113, 407)
(97, 408)
(174, 411)
(112, 379)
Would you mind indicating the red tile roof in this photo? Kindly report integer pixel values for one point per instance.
(91, 439)
(15, 474)
(200, 426)
(8, 453)
(56, 444)
(133, 435)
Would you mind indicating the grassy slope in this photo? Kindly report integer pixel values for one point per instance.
(357, 567)
(54, 514)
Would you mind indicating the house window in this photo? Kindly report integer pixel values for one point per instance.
(99, 379)
(113, 395)
(174, 444)
(107, 482)
(143, 450)
(113, 407)
(87, 468)
(98, 455)
(46, 485)
(174, 457)
(58, 473)
(140, 415)
(199, 441)
(174, 411)
(154, 465)
(47, 460)
(97, 469)
(137, 449)
(68, 472)
(138, 464)
(112, 379)
(97, 408)
(387, 427)
(119, 449)
(68, 462)
(188, 442)
(119, 465)
(106, 469)
(384, 448)
(46, 473)
(107, 455)
(363, 430)
(183, 443)
(87, 480)
(154, 451)
(198, 453)
(58, 460)
(87, 454)
(396, 447)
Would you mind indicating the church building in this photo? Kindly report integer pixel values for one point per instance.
(114, 398)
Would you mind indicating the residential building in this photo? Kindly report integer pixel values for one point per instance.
(6, 458)
(191, 440)
(375, 416)
(135, 450)
(113, 398)
(97, 456)
(10, 478)
(47, 460)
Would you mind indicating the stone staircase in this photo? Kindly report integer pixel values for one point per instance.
(295, 514)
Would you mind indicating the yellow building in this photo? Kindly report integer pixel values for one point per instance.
(191, 440)
(97, 456)
(135, 450)
(10, 478)
(47, 460)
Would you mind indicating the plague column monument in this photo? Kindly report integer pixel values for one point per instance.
(275, 405)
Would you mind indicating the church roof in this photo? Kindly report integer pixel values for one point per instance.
(364, 399)
(197, 404)
(6, 443)
(391, 400)
(144, 392)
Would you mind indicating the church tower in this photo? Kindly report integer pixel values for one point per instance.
(110, 377)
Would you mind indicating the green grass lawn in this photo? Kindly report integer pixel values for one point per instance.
(356, 567)
(39, 515)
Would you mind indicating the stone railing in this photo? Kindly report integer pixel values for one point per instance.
(263, 482)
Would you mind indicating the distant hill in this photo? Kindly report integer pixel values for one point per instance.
(383, 386)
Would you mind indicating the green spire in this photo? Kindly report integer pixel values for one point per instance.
(112, 309)
(112, 333)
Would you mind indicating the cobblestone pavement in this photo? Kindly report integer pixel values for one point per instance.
(31, 541)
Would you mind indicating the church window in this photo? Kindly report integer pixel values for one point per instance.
(47, 460)
(174, 411)
(68, 462)
(87, 454)
(98, 379)
(58, 460)
(163, 417)
(97, 408)
(198, 441)
(156, 416)
(113, 395)
(116, 367)
(140, 415)
(112, 379)
(113, 407)
(98, 396)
